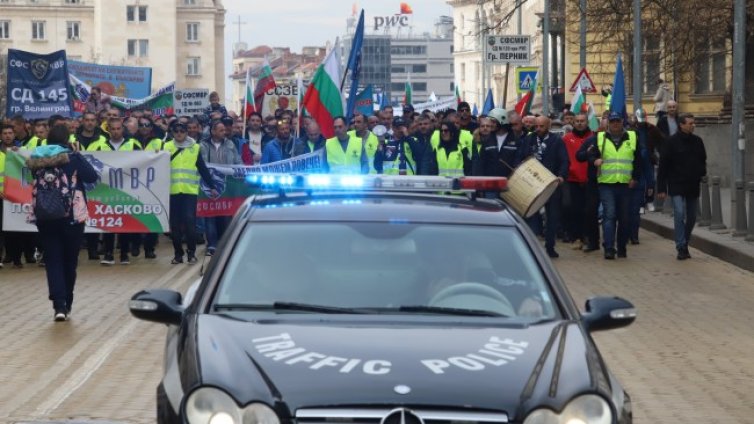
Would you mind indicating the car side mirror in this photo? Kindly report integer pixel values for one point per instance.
(607, 313)
(163, 306)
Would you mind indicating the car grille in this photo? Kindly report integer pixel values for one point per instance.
(398, 415)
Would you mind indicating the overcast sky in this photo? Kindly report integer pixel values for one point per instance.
(299, 23)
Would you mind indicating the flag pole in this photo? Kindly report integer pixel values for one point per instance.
(299, 98)
(245, 102)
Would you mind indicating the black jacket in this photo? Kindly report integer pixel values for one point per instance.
(683, 163)
(69, 163)
(494, 162)
(554, 153)
(664, 127)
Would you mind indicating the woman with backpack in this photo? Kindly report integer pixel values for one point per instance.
(59, 211)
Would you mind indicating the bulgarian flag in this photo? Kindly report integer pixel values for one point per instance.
(591, 115)
(248, 104)
(323, 100)
(408, 98)
(579, 101)
(458, 95)
(523, 107)
(266, 82)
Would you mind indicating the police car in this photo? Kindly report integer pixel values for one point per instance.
(381, 300)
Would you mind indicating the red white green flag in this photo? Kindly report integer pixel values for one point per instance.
(248, 104)
(323, 100)
(578, 104)
(523, 107)
(458, 95)
(265, 82)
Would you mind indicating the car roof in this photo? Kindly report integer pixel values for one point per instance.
(378, 207)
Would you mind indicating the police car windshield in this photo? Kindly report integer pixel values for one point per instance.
(381, 267)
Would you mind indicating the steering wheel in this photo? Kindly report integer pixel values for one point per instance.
(471, 288)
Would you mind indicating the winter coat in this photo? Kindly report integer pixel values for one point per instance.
(554, 154)
(683, 163)
(227, 154)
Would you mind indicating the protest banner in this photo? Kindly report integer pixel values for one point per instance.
(283, 96)
(438, 105)
(130, 197)
(161, 102)
(230, 182)
(190, 101)
(120, 81)
(37, 85)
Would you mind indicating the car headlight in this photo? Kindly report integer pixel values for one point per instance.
(587, 409)
(208, 405)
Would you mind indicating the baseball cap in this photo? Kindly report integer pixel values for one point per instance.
(398, 121)
(614, 116)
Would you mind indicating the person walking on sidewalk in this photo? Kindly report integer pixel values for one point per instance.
(683, 163)
(61, 237)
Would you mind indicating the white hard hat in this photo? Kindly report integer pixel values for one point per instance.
(499, 114)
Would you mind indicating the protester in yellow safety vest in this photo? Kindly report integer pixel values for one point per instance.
(345, 154)
(396, 156)
(186, 166)
(89, 132)
(465, 137)
(450, 158)
(618, 161)
(145, 136)
(117, 141)
(368, 139)
(40, 135)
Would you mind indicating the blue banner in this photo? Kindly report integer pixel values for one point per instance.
(118, 81)
(38, 85)
(364, 102)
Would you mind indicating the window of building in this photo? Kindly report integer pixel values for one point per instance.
(398, 87)
(73, 31)
(72, 1)
(189, 2)
(452, 68)
(419, 86)
(4, 30)
(710, 69)
(193, 66)
(452, 87)
(134, 13)
(651, 64)
(138, 48)
(408, 50)
(419, 69)
(192, 31)
(463, 72)
(398, 69)
(38, 30)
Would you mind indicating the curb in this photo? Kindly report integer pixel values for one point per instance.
(722, 246)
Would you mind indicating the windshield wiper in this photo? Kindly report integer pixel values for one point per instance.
(289, 306)
(450, 311)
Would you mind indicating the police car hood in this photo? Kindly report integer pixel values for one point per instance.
(334, 364)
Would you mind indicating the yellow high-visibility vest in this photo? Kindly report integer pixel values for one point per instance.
(184, 175)
(616, 164)
(344, 162)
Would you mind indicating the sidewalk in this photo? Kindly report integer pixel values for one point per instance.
(719, 243)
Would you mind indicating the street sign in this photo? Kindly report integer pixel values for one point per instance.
(585, 81)
(502, 49)
(525, 78)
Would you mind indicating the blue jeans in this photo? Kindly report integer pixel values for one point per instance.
(684, 218)
(615, 199)
(638, 200)
(214, 228)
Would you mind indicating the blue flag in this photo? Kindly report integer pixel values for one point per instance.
(384, 101)
(489, 104)
(618, 100)
(474, 111)
(364, 103)
(354, 64)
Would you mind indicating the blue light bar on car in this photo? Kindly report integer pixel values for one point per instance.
(330, 182)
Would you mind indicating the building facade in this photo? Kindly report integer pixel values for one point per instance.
(391, 58)
(181, 40)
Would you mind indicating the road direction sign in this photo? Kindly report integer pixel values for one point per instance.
(585, 81)
(502, 49)
(525, 78)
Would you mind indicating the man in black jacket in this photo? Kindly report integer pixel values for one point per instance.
(499, 149)
(683, 163)
(549, 149)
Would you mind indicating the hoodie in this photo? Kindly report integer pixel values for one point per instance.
(55, 156)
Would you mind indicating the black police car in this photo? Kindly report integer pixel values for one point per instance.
(381, 304)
